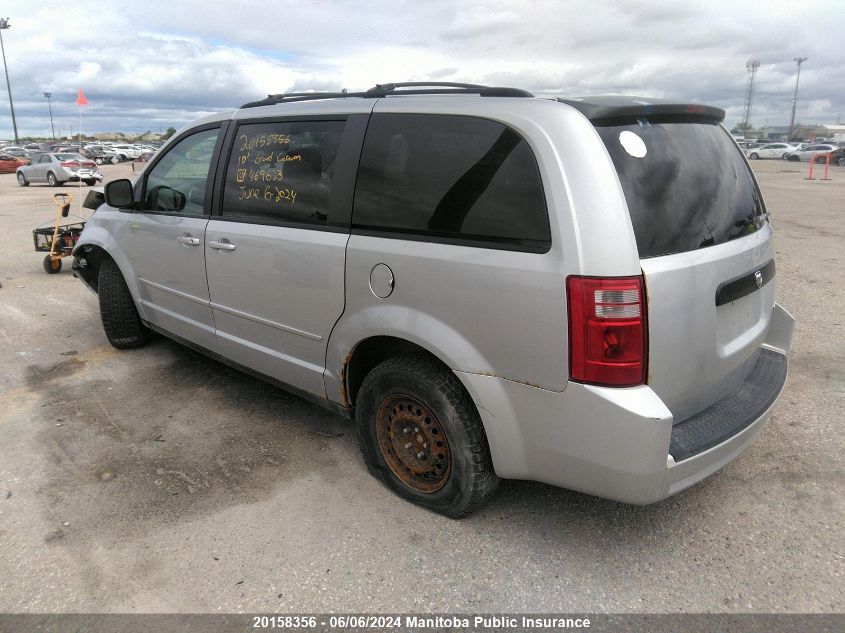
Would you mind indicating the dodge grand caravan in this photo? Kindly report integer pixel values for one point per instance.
(490, 284)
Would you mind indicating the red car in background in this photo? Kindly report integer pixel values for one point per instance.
(8, 164)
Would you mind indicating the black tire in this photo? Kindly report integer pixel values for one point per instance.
(22, 180)
(795, 159)
(98, 160)
(51, 179)
(820, 160)
(841, 162)
(51, 266)
(470, 479)
(90, 183)
(753, 156)
(121, 323)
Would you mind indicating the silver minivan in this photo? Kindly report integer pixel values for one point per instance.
(490, 284)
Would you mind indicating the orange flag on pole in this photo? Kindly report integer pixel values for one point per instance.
(80, 98)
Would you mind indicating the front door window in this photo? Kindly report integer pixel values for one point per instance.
(178, 182)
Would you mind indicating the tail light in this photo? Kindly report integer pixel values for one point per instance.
(607, 330)
(70, 163)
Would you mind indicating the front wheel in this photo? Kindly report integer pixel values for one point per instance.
(98, 160)
(90, 183)
(51, 266)
(420, 433)
(841, 162)
(22, 180)
(120, 318)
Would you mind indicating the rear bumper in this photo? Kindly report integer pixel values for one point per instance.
(619, 443)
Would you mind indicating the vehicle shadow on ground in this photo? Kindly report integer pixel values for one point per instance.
(187, 436)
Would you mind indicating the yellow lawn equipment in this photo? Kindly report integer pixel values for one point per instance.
(57, 240)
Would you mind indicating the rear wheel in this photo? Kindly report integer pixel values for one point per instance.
(120, 318)
(753, 156)
(51, 266)
(22, 180)
(98, 160)
(841, 162)
(51, 180)
(90, 183)
(820, 160)
(420, 433)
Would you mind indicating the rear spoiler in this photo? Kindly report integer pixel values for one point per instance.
(609, 113)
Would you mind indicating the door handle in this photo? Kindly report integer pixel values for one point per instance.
(187, 240)
(222, 245)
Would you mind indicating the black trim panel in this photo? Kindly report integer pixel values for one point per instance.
(300, 393)
(733, 413)
(745, 285)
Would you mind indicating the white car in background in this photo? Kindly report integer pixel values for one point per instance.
(127, 152)
(808, 153)
(771, 150)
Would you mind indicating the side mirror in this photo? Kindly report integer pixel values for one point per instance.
(119, 194)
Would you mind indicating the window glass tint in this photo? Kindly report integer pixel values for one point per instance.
(282, 171)
(450, 176)
(691, 188)
(177, 183)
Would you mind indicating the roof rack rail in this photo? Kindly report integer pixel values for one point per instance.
(384, 90)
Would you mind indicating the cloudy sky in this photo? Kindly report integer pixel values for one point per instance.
(150, 65)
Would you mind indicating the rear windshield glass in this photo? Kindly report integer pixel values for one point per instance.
(686, 185)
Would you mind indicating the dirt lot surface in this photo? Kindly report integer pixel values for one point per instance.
(155, 480)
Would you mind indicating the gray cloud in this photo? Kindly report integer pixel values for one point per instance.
(156, 64)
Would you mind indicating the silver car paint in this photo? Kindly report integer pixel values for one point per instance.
(169, 268)
(468, 306)
(583, 196)
(699, 352)
(279, 325)
(609, 442)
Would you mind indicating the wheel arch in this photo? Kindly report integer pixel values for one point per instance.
(371, 352)
(378, 329)
(97, 244)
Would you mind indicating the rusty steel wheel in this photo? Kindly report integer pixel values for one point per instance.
(413, 443)
(420, 433)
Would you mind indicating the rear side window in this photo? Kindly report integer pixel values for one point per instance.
(282, 171)
(686, 185)
(450, 178)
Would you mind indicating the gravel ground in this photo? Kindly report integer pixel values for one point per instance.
(156, 480)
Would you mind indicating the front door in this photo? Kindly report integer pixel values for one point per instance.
(164, 239)
(275, 255)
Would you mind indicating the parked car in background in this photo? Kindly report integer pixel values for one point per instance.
(57, 169)
(9, 164)
(127, 152)
(809, 152)
(100, 154)
(17, 152)
(771, 150)
(836, 157)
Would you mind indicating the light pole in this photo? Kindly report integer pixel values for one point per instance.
(52, 129)
(799, 61)
(4, 24)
